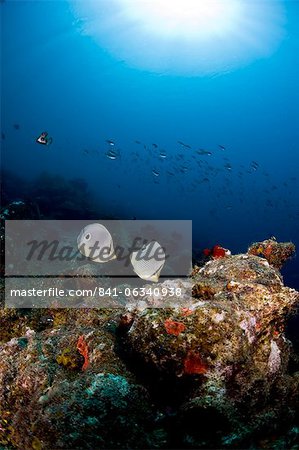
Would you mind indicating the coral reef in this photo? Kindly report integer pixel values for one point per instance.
(48, 401)
(229, 355)
(276, 253)
(220, 373)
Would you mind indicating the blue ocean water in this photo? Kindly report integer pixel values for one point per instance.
(58, 78)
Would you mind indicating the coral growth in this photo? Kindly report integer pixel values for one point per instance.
(193, 364)
(82, 347)
(215, 372)
(173, 327)
(276, 253)
(233, 348)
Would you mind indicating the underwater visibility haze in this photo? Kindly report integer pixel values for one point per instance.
(158, 110)
(82, 72)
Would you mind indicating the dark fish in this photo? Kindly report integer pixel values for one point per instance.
(221, 147)
(254, 165)
(183, 144)
(184, 169)
(110, 142)
(16, 126)
(155, 145)
(113, 154)
(155, 173)
(228, 166)
(162, 155)
(44, 139)
(137, 142)
(203, 152)
(2, 136)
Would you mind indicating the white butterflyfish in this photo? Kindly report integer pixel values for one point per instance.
(148, 261)
(95, 242)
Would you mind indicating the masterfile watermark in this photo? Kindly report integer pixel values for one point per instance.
(46, 260)
(62, 293)
(54, 251)
(46, 248)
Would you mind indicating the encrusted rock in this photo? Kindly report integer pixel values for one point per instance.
(208, 371)
(276, 253)
(229, 352)
(51, 396)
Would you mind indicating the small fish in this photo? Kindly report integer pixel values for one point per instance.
(203, 152)
(221, 147)
(2, 136)
(155, 173)
(228, 166)
(162, 155)
(44, 139)
(16, 126)
(146, 264)
(137, 142)
(95, 242)
(254, 165)
(183, 144)
(184, 169)
(110, 142)
(155, 145)
(111, 154)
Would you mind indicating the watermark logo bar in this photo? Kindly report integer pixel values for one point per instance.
(45, 260)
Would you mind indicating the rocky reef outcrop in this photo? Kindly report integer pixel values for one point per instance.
(276, 253)
(62, 384)
(218, 373)
(227, 354)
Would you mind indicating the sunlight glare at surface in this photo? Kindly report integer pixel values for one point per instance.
(184, 37)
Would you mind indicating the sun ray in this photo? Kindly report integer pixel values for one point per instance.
(185, 37)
